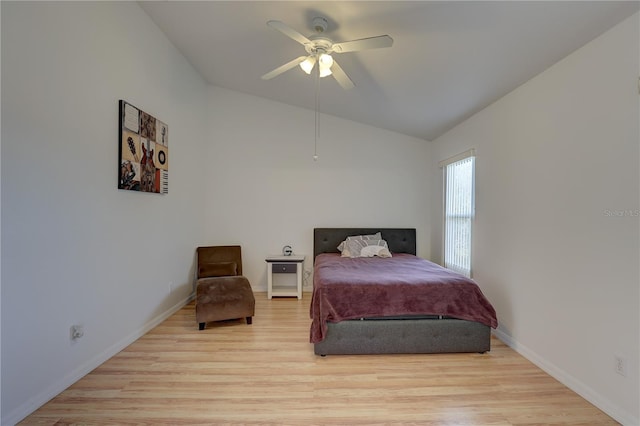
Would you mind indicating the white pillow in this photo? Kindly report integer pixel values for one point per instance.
(341, 247)
(371, 251)
(366, 248)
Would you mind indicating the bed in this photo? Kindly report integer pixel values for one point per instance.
(373, 305)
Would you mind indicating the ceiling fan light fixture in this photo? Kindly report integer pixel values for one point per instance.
(325, 62)
(325, 72)
(308, 64)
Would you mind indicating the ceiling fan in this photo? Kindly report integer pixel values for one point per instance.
(320, 48)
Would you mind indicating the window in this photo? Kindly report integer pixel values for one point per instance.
(459, 211)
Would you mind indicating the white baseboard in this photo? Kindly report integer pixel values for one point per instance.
(47, 394)
(604, 404)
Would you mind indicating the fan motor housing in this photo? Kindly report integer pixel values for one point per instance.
(319, 45)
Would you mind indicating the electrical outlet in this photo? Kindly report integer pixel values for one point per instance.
(77, 331)
(620, 365)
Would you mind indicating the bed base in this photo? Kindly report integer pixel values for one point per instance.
(404, 336)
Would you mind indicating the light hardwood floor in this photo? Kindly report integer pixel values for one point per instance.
(266, 373)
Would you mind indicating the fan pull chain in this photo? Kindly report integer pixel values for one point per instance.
(317, 118)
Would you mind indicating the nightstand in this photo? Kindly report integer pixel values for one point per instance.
(284, 276)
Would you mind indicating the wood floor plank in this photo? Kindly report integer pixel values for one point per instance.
(267, 373)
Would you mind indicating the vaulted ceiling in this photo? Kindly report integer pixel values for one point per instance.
(448, 60)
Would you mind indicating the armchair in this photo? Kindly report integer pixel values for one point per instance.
(222, 292)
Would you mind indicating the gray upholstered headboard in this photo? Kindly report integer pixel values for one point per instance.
(400, 240)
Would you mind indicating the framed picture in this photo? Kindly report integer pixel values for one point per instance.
(143, 151)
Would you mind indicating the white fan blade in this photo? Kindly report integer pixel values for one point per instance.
(289, 32)
(341, 77)
(363, 44)
(283, 68)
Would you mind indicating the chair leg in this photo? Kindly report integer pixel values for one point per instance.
(249, 320)
(201, 325)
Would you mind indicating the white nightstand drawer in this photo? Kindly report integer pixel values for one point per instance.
(284, 268)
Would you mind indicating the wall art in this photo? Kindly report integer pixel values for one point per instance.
(144, 151)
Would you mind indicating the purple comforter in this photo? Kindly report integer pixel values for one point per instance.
(345, 288)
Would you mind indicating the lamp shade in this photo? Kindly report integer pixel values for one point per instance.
(325, 63)
(307, 64)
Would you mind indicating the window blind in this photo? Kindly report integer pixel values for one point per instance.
(459, 211)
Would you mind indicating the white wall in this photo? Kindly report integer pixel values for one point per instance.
(557, 227)
(75, 249)
(0, 240)
(265, 190)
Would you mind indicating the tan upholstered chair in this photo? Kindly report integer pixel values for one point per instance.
(222, 293)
